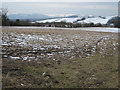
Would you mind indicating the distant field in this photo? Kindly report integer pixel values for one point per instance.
(59, 58)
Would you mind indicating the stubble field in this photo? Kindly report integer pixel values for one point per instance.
(50, 58)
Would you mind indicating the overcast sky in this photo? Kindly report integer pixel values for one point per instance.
(61, 8)
(60, 0)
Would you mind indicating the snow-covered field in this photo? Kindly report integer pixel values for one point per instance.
(71, 20)
(21, 43)
(98, 29)
(95, 20)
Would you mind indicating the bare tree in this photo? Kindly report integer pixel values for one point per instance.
(3, 17)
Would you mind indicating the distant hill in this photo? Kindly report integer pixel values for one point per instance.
(40, 18)
(82, 20)
(31, 17)
(36, 17)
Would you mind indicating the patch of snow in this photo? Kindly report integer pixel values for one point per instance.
(115, 30)
(71, 20)
(4, 44)
(14, 57)
(25, 58)
(49, 54)
(44, 73)
(22, 84)
(94, 20)
(48, 20)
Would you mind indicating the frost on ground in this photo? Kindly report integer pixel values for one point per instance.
(51, 45)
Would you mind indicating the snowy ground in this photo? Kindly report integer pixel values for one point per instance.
(41, 44)
(40, 57)
(98, 29)
(95, 20)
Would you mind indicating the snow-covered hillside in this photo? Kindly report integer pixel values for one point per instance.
(95, 20)
(49, 20)
(71, 20)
